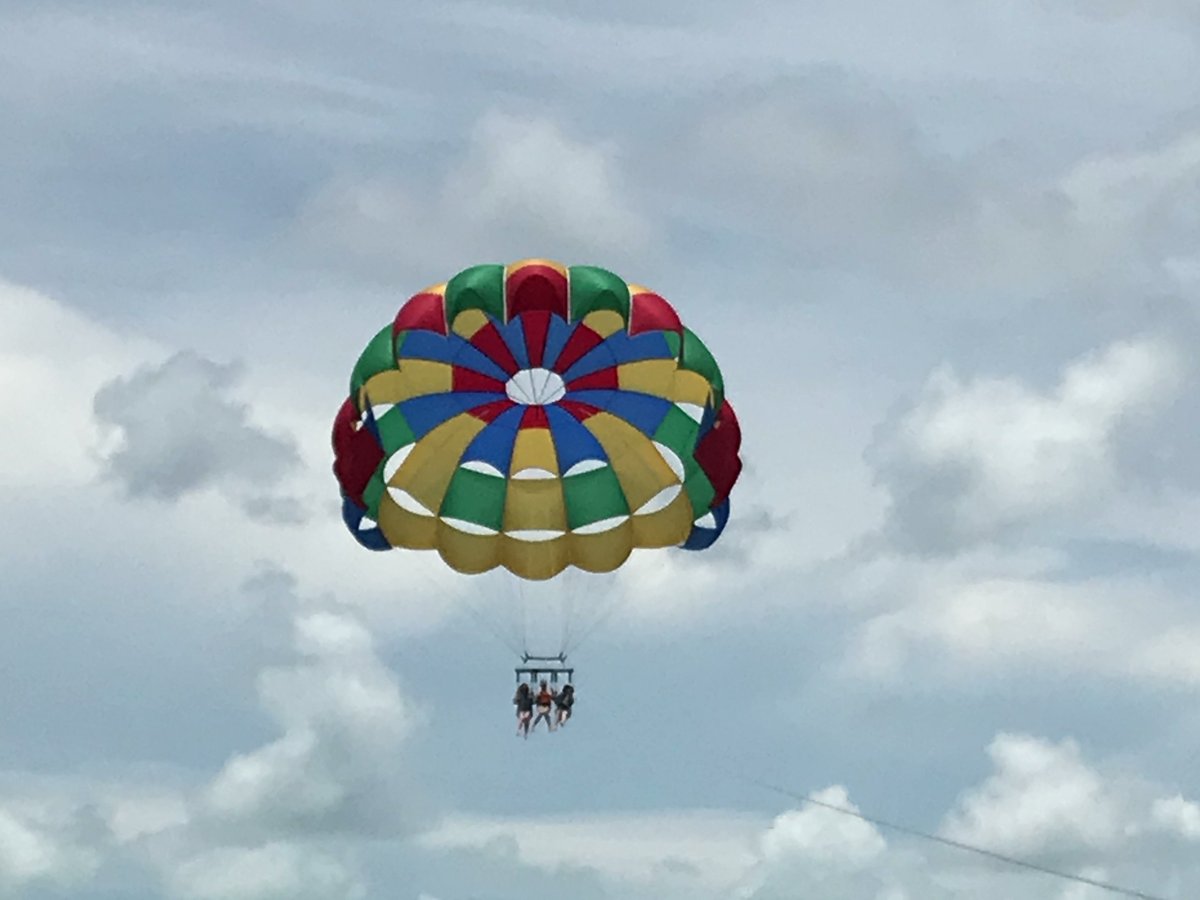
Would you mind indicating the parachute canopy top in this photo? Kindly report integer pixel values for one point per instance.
(535, 417)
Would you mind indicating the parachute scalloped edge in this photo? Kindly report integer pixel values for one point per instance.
(460, 395)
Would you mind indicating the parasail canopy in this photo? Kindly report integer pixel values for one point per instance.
(535, 417)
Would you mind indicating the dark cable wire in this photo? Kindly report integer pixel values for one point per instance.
(957, 845)
(993, 855)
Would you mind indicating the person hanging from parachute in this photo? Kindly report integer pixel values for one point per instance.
(565, 700)
(545, 700)
(535, 417)
(524, 703)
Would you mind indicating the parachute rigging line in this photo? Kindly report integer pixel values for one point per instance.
(568, 611)
(957, 845)
(420, 571)
(496, 632)
(524, 617)
(603, 617)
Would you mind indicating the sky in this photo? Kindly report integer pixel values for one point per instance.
(946, 254)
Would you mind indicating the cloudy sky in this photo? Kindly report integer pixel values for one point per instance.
(946, 253)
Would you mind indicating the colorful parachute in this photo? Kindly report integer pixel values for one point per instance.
(536, 417)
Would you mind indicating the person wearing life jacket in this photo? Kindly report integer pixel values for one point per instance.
(545, 698)
(564, 701)
(523, 700)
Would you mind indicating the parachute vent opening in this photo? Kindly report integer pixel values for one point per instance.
(585, 465)
(395, 461)
(692, 410)
(602, 526)
(533, 474)
(707, 521)
(671, 458)
(409, 503)
(468, 527)
(379, 410)
(535, 387)
(483, 468)
(534, 536)
(659, 501)
(366, 524)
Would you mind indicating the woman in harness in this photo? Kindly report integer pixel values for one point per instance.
(524, 703)
(564, 701)
(545, 697)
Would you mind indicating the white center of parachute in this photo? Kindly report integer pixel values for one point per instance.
(535, 387)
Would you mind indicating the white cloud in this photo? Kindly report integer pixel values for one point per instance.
(139, 813)
(1136, 191)
(1140, 204)
(815, 851)
(274, 871)
(1175, 814)
(525, 173)
(702, 851)
(970, 460)
(1171, 655)
(334, 768)
(1041, 801)
(37, 845)
(849, 181)
(681, 589)
(52, 360)
(522, 187)
(838, 174)
(179, 426)
(999, 484)
(952, 626)
(823, 836)
(282, 820)
(178, 431)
